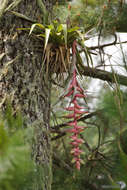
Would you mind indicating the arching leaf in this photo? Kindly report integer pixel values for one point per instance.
(47, 34)
(65, 32)
(34, 25)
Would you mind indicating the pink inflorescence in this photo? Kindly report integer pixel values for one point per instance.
(76, 93)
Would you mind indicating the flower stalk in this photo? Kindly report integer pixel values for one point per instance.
(75, 93)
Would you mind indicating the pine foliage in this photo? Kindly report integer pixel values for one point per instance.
(16, 166)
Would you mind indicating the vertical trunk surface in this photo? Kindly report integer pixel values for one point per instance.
(22, 81)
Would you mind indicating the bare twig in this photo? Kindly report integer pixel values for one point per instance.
(81, 119)
(106, 45)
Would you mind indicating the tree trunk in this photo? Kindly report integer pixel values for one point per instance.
(22, 81)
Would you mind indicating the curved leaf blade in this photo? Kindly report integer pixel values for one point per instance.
(65, 33)
(34, 25)
(47, 34)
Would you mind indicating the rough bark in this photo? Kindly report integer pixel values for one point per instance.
(22, 81)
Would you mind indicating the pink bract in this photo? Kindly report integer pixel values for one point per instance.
(75, 92)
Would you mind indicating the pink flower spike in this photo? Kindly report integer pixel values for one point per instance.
(69, 116)
(80, 89)
(70, 87)
(77, 106)
(73, 131)
(70, 108)
(76, 154)
(78, 85)
(80, 127)
(79, 111)
(69, 93)
(74, 47)
(72, 123)
(80, 95)
(78, 159)
(80, 141)
(78, 117)
(74, 82)
(75, 159)
(74, 101)
(78, 165)
(76, 150)
(74, 137)
(74, 93)
(74, 72)
(74, 144)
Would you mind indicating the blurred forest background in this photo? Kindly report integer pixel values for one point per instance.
(103, 78)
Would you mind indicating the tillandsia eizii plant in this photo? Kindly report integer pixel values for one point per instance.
(56, 42)
(62, 45)
(75, 92)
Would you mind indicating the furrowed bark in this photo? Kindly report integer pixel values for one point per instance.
(23, 83)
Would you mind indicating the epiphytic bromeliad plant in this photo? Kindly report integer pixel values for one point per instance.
(57, 40)
(61, 46)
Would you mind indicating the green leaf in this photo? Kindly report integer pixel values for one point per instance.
(60, 28)
(34, 25)
(23, 29)
(90, 57)
(79, 59)
(65, 32)
(22, 16)
(73, 29)
(51, 27)
(87, 56)
(47, 34)
(41, 35)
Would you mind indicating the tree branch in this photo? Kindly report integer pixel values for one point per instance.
(105, 45)
(104, 75)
